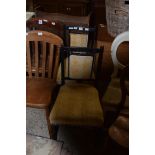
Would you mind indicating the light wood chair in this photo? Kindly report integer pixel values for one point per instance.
(42, 57)
(78, 103)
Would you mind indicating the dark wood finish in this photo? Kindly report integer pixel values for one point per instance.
(80, 51)
(99, 11)
(90, 31)
(65, 19)
(70, 7)
(29, 5)
(45, 25)
(104, 39)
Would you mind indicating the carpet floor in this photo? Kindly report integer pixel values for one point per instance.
(42, 146)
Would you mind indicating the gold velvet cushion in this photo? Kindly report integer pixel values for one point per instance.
(77, 104)
(113, 94)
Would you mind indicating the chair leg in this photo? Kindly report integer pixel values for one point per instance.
(106, 141)
(54, 132)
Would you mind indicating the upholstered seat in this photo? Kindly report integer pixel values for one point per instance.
(77, 104)
(39, 92)
(113, 94)
(115, 99)
(119, 131)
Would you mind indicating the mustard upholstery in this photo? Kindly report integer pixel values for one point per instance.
(113, 94)
(77, 104)
(80, 67)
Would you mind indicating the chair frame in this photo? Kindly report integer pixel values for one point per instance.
(80, 51)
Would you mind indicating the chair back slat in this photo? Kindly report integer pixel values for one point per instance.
(28, 58)
(50, 65)
(43, 58)
(43, 53)
(56, 62)
(36, 59)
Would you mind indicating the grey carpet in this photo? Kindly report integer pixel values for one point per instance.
(42, 146)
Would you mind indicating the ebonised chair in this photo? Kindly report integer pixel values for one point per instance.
(114, 95)
(118, 131)
(78, 103)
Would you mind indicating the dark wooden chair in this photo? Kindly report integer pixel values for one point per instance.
(78, 102)
(116, 98)
(42, 57)
(118, 131)
(113, 96)
(80, 36)
(45, 25)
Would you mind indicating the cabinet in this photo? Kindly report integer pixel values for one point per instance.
(99, 11)
(76, 9)
(70, 7)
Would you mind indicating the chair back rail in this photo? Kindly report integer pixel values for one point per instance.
(90, 32)
(94, 53)
(42, 50)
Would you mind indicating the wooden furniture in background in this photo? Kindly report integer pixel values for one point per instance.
(104, 39)
(71, 7)
(29, 5)
(42, 53)
(66, 19)
(99, 11)
(45, 25)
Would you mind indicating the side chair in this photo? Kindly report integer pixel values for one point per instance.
(78, 103)
(42, 60)
(78, 36)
